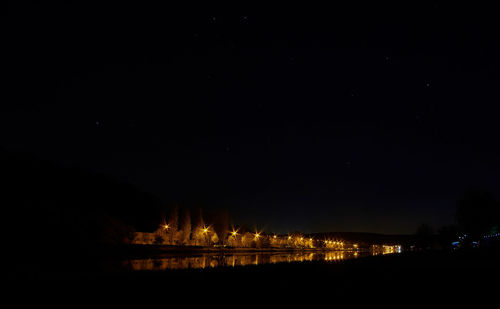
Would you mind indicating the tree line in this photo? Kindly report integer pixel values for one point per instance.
(477, 222)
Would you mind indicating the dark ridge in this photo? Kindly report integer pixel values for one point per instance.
(48, 206)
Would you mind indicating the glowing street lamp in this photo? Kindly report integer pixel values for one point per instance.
(205, 232)
(166, 227)
(234, 234)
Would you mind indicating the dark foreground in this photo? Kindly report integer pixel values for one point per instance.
(428, 279)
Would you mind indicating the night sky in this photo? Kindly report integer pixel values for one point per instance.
(346, 118)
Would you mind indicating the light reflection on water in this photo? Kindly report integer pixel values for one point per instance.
(212, 260)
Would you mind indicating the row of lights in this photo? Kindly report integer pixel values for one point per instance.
(257, 235)
(492, 235)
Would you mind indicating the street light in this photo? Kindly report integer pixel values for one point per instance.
(205, 231)
(234, 233)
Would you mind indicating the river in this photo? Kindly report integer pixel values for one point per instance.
(233, 259)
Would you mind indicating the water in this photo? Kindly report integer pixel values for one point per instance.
(212, 260)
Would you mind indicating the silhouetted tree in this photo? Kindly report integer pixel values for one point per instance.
(477, 213)
(186, 227)
(173, 223)
(424, 235)
(221, 226)
(447, 234)
(197, 234)
(115, 232)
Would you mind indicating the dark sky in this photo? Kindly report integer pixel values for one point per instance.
(345, 118)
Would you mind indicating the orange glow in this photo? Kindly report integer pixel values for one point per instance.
(215, 260)
(234, 232)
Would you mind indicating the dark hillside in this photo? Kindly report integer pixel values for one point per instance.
(61, 209)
